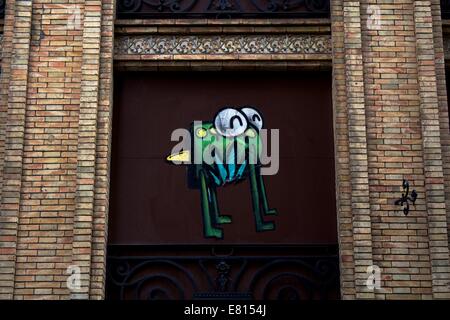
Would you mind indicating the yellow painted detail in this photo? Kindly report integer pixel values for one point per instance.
(183, 156)
(201, 133)
(250, 133)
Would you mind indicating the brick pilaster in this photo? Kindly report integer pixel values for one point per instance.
(44, 243)
(362, 235)
(52, 77)
(7, 234)
(14, 140)
(432, 150)
(8, 29)
(103, 142)
(401, 68)
(87, 140)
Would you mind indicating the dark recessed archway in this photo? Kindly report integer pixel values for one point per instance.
(155, 221)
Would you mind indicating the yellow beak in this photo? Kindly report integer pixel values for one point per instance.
(183, 156)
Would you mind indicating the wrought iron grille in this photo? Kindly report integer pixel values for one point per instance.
(130, 9)
(239, 272)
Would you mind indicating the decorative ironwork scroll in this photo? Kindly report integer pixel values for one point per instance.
(405, 199)
(222, 8)
(242, 272)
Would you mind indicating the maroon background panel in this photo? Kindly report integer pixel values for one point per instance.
(150, 201)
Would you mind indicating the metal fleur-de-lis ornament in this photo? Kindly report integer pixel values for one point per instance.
(404, 200)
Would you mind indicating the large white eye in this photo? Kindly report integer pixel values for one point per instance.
(253, 117)
(230, 122)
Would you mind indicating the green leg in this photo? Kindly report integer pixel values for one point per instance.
(261, 225)
(219, 219)
(209, 230)
(262, 188)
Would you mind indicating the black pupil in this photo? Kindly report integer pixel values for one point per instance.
(232, 121)
(256, 118)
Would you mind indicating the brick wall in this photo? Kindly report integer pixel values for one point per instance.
(442, 99)
(395, 129)
(53, 87)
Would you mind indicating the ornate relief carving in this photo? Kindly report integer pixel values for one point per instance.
(222, 44)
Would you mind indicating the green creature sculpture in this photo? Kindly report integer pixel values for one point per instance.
(223, 152)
